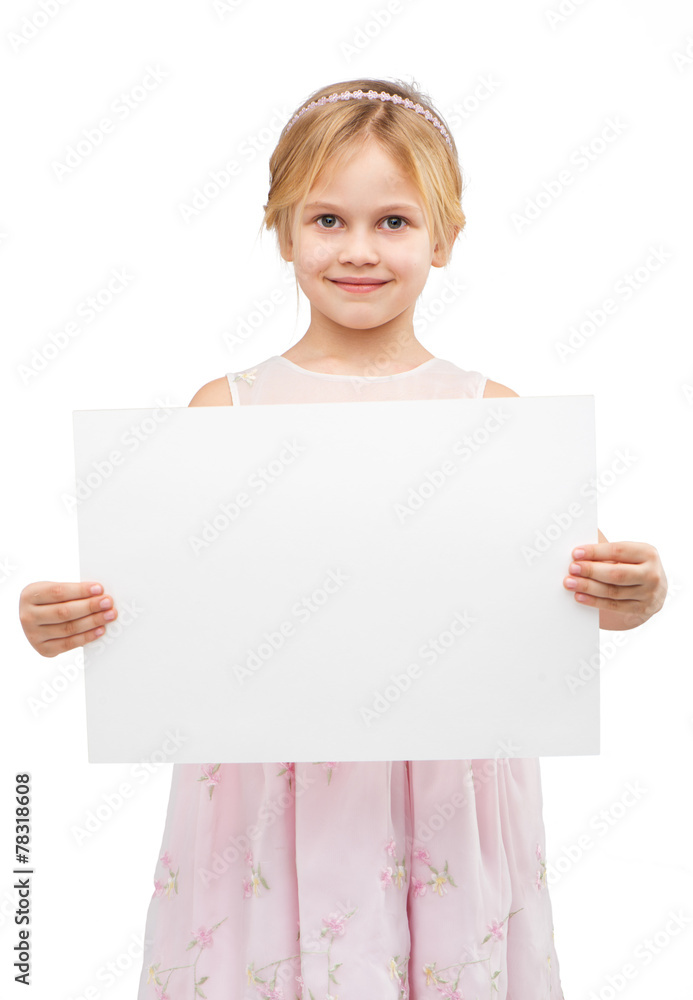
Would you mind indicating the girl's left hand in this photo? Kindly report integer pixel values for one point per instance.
(627, 577)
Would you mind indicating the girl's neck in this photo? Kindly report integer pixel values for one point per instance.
(386, 358)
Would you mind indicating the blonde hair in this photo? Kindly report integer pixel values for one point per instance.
(323, 136)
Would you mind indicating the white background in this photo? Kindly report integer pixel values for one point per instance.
(232, 78)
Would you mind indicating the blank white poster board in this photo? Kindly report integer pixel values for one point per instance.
(309, 581)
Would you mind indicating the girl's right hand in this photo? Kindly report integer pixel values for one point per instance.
(60, 616)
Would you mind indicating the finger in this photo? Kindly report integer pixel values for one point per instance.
(49, 592)
(616, 574)
(53, 647)
(624, 607)
(610, 591)
(75, 625)
(68, 611)
(625, 552)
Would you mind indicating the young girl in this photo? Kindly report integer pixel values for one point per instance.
(357, 880)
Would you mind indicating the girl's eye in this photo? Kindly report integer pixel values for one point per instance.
(399, 219)
(389, 217)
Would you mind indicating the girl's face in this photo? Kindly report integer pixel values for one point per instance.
(365, 221)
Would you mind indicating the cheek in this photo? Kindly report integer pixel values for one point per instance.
(315, 257)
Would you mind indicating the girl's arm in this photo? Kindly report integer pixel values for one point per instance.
(624, 580)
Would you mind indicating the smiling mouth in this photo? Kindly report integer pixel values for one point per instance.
(365, 285)
(360, 281)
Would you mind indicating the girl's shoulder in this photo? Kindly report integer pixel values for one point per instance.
(218, 391)
(214, 393)
(494, 390)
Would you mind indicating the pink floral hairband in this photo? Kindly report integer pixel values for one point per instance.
(374, 95)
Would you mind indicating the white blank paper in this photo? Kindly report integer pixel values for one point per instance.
(328, 581)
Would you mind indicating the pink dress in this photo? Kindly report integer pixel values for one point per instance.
(352, 880)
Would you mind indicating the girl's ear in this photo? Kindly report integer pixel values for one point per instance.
(441, 256)
(286, 249)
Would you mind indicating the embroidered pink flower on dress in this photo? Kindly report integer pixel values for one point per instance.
(391, 848)
(202, 937)
(267, 993)
(419, 888)
(421, 853)
(210, 776)
(446, 990)
(328, 765)
(247, 376)
(161, 993)
(166, 860)
(247, 888)
(385, 877)
(540, 877)
(496, 929)
(158, 887)
(289, 769)
(249, 858)
(335, 924)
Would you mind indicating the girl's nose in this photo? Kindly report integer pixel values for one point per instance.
(358, 248)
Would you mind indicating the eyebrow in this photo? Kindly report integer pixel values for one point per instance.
(388, 208)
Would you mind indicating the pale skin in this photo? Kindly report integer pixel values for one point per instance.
(349, 333)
